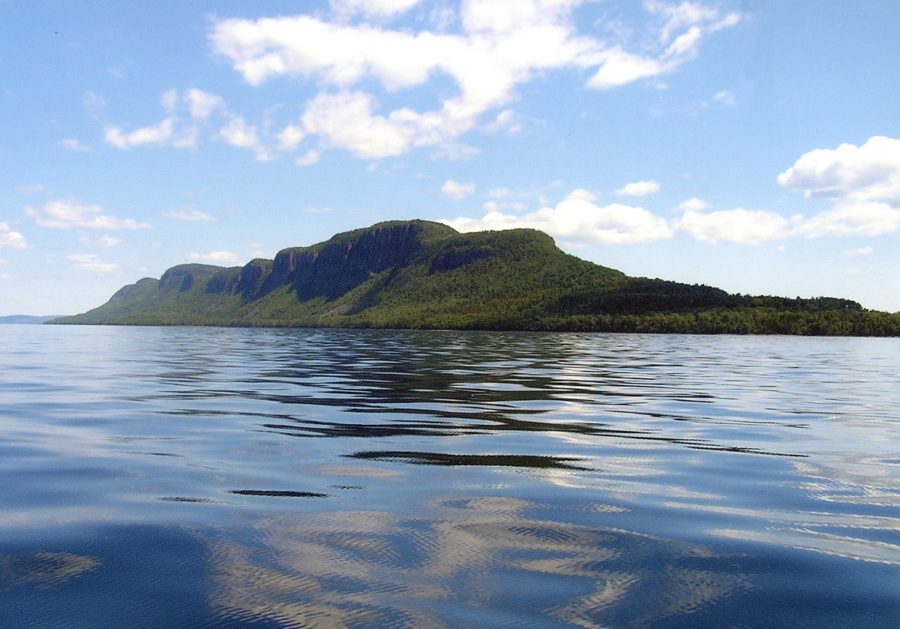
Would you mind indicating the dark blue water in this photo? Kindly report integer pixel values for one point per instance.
(169, 477)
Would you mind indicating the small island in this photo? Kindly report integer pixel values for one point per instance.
(425, 275)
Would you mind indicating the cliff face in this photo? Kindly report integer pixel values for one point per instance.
(346, 261)
(183, 277)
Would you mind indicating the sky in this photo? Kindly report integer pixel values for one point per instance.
(753, 146)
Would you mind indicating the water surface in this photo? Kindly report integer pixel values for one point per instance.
(230, 477)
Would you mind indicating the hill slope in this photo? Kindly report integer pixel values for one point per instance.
(419, 274)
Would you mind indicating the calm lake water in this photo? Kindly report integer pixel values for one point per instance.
(183, 477)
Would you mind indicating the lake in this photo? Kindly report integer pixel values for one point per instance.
(190, 477)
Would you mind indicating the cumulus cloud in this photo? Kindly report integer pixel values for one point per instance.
(238, 133)
(638, 189)
(576, 219)
(581, 193)
(92, 263)
(870, 172)
(290, 137)
(346, 120)
(11, 239)
(692, 205)
(502, 44)
(75, 215)
(189, 215)
(456, 190)
(741, 226)
(865, 218)
(202, 104)
(863, 183)
(214, 257)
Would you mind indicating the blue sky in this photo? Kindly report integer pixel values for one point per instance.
(753, 146)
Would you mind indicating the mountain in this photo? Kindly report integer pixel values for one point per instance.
(420, 274)
(26, 319)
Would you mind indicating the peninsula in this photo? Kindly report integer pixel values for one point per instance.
(426, 275)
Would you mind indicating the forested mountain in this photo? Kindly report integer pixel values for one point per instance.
(420, 274)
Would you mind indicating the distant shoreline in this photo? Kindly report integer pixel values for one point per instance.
(27, 319)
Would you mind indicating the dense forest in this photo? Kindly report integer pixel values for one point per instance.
(419, 274)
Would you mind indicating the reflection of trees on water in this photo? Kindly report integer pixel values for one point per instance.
(482, 558)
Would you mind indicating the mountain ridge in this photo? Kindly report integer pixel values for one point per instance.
(422, 274)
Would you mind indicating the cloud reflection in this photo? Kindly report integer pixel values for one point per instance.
(490, 556)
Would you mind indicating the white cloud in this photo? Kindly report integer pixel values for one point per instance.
(863, 183)
(725, 97)
(189, 215)
(863, 218)
(238, 133)
(505, 122)
(578, 220)
(376, 9)
(679, 16)
(92, 263)
(214, 257)
(345, 120)
(683, 28)
(11, 239)
(870, 172)
(456, 190)
(160, 133)
(290, 137)
(621, 68)
(692, 205)
(747, 227)
(186, 113)
(73, 144)
(638, 189)
(202, 104)
(503, 44)
(581, 193)
(74, 215)
(309, 158)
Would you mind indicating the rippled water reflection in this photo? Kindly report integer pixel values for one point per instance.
(191, 477)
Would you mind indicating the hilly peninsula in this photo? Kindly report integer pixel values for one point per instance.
(425, 275)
